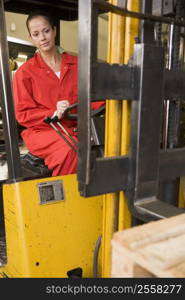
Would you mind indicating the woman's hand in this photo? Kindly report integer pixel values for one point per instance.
(61, 107)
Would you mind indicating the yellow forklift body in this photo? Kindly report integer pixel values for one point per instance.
(48, 240)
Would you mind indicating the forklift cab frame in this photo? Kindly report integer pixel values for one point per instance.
(50, 236)
(65, 11)
(144, 76)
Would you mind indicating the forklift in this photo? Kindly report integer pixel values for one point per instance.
(49, 229)
(62, 226)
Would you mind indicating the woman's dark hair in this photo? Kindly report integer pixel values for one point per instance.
(40, 13)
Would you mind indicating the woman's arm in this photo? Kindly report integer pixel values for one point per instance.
(28, 112)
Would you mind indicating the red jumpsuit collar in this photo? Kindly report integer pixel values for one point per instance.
(66, 59)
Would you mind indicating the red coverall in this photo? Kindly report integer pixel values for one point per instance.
(36, 91)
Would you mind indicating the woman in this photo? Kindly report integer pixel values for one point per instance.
(45, 86)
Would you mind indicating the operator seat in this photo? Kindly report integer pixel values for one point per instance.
(33, 166)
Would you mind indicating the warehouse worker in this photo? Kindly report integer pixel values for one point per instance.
(44, 86)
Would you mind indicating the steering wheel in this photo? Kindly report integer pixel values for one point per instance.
(94, 112)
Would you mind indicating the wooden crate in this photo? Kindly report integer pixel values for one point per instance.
(155, 249)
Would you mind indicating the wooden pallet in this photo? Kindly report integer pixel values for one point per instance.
(155, 249)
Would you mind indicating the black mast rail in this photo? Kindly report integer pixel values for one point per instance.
(8, 116)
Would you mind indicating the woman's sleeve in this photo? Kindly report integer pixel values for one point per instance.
(98, 104)
(28, 112)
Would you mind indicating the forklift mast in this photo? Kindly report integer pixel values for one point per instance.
(143, 85)
(147, 82)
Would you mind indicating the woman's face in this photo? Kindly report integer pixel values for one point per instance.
(42, 34)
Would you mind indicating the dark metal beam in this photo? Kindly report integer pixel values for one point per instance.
(113, 82)
(152, 209)
(88, 27)
(120, 82)
(146, 26)
(8, 116)
(107, 174)
(69, 5)
(107, 7)
(63, 10)
(172, 163)
(146, 122)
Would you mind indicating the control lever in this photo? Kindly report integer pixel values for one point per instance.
(51, 122)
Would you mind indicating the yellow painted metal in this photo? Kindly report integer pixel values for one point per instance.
(112, 138)
(122, 32)
(47, 240)
(181, 202)
(131, 32)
